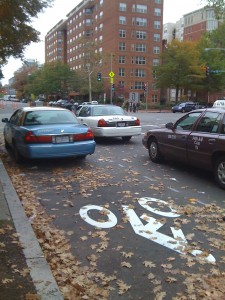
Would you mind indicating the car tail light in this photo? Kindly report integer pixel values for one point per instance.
(31, 138)
(137, 122)
(102, 123)
(84, 136)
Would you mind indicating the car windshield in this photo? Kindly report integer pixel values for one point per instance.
(107, 111)
(49, 117)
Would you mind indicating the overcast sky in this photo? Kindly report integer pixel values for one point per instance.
(173, 11)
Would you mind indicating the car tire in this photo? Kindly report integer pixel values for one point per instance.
(17, 156)
(81, 156)
(7, 146)
(219, 171)
(183, 110)
(153, 150)
(126, 138)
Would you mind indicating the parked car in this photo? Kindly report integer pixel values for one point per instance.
(198, 139)
(91, 102)
(47, 132)
(109, 121)
(183, 107)
(219, 103)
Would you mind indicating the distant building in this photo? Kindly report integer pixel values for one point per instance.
(198, 22)
(127, 35)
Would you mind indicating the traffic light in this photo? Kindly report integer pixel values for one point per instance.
(99, 76)
(207, 71)
(113, 87)
(144, 87)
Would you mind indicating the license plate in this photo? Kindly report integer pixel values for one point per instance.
(61, 139)
(121, 124)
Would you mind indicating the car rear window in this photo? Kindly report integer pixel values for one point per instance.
(49, 117)
(107, 110)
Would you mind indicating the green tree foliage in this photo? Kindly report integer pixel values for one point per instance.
(219, 6)
(53, 78)
(212, 47)
(16, 31)
(180, 68)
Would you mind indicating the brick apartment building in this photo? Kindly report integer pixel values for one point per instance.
(198, 22)
(126, 34)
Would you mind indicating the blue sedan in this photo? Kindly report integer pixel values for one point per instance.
(47, 132)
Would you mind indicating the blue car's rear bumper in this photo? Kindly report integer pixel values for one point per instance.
(58, 150)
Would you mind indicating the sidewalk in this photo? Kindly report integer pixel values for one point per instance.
(24, 272)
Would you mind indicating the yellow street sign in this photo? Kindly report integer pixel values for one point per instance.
(111, 74)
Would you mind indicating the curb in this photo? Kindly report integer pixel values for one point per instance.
(40, 271)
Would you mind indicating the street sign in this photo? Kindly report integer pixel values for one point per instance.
(111, 74)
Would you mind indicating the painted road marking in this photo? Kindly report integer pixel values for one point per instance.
(149, 231)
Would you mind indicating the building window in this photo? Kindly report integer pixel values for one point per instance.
(141, 9)
(121, 84)
(122, 20)
(140, 48)
(121, 59)
(122, 46)
(155, 62)
(122, 33)
(88, 22)
(141, 22)
(138, 85)
(157, 37)
(140, 60)
(121, 72)
(123, 7)
(155, 98)
(156, 50)
(157, 25)
(158, 1)
(157, 12)
(141, 35)
(139, 73)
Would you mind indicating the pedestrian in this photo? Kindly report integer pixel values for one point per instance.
(137, 106)
(134, 107)
(131, 106)
(127, 105)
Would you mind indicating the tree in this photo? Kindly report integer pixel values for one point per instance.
(180, 67)
(219, 6)
(15, 30)
(21, 79)
(52, 78)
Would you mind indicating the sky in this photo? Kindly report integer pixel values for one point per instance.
(173, 11)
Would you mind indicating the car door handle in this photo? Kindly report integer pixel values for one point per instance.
(211, 141)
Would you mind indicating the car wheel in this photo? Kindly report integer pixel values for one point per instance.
(183, 110)
(7, 146)
(153, 150)
(126, 138)
(219, 171)
(81, 156)
(17, 156)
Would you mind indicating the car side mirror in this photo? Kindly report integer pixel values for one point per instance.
(170, 125)
(5, 120)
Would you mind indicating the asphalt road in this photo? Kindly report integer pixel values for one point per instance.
(139, 225)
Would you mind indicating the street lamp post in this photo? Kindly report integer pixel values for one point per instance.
(89, 82)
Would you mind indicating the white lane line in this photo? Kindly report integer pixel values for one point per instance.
(173, 190)
(149, 178)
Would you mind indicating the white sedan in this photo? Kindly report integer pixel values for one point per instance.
(109, 121)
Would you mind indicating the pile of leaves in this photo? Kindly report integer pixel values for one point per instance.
(84, 282)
